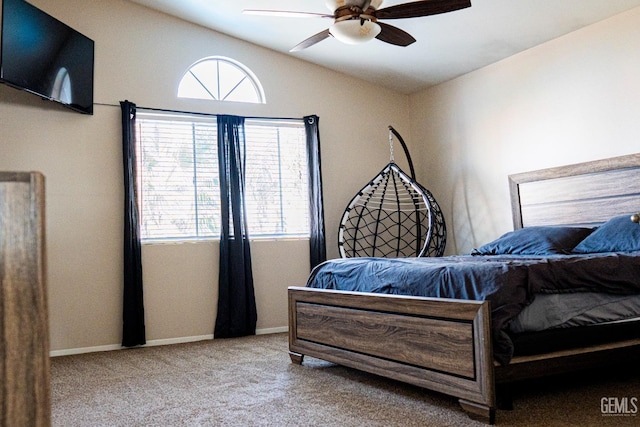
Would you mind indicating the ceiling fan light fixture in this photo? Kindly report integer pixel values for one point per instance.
(355, 31)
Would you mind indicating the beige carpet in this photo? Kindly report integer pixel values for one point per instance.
(251, 382)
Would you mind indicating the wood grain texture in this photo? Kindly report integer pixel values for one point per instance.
(405, 338)
(479, 412)
(414, 341)
(24, 332)
(583, 194)
(622, 353)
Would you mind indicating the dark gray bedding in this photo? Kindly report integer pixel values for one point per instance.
(508, 282)
(570, 310)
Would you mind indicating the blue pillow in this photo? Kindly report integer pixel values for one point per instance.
(539, 240)
(619, 234)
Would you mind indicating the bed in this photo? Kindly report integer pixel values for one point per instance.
(454, 346)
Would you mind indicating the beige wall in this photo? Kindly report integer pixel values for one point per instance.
(571, 100)
(140, 56)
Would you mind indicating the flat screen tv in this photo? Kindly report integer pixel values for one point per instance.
(44, 56)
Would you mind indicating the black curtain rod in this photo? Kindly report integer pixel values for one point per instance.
(164, 110)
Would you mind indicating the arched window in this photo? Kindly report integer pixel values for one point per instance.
(221, 79)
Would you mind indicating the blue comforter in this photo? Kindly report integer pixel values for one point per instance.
(508, 282)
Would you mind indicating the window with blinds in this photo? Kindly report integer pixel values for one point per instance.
(178, 179)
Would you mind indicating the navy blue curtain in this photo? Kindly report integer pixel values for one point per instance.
(317, 244)
(133, 332)
(237, 314)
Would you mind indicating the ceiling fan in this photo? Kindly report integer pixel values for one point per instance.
(358, 21)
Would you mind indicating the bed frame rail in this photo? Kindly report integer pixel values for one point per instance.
(442, 345)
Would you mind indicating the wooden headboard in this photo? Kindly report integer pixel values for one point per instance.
(584, 194)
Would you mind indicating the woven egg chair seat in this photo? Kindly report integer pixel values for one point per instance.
(392, 216)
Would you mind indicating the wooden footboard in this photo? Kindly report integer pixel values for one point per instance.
(441, 345)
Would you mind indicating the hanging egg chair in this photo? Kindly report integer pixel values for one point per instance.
(393, 216)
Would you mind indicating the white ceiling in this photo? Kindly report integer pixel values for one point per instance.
(448, 45)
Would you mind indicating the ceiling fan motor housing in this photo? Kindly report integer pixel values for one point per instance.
(334, 5)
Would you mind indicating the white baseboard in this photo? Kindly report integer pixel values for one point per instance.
(152, 343)
(82, 350)
(272, 330)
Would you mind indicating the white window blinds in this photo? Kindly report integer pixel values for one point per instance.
(178, 181)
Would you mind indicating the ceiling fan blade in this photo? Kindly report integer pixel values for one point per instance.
(285, 13)
(394, 35)
(421, 8)
(311, 41)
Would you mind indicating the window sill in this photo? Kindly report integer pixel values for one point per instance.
(217, 240)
